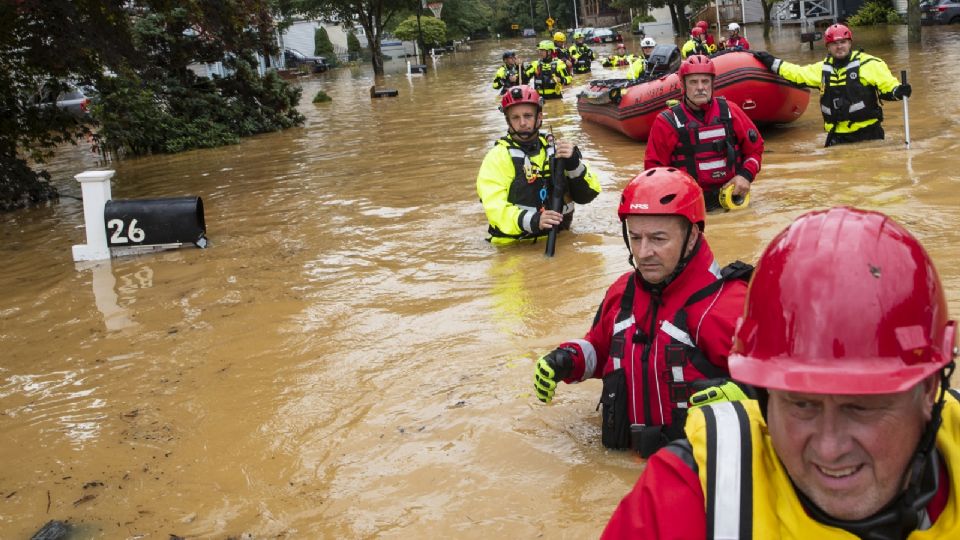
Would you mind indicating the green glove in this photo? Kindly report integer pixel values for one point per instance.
(552, 368)
(727, 391)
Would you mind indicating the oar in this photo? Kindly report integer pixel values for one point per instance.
(906, 110)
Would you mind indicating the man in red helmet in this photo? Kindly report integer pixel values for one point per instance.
(850, 82)
(694, 45)
(514, 181)
(709, 137)
(855, 434)
(663, 327)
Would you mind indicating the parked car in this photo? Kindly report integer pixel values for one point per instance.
(294, 59)
(72, 98)
(605, 35)
(529, 32)
(586, 31)
(940, 12)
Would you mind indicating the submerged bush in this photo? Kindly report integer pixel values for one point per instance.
(875, 12)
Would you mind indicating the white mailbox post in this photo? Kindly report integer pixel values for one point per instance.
(95, 188)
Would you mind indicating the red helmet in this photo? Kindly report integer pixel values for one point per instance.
(697, 63)
(703, 24)
(696, 31)
(843, 301)
(835, 32)
(520, 94)
(663, 190)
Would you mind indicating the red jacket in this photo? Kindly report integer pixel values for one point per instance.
(710, 325)
(738, 41)
(663, 144)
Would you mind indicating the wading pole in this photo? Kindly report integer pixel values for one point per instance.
(556, 196)
(906, 110)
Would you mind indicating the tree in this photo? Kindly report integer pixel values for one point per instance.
(466, 18)
(354, 50)
(156, 103)
(43, 44)
(913, 21)
(372, 15)
(150, 101)
(434, 30)
(767, 21)
(322, 46)
(677, 10)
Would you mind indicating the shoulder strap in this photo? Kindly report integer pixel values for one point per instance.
(623, 321)
(734, 270)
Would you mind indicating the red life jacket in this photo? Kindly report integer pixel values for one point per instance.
(653, 350)
(710, 152)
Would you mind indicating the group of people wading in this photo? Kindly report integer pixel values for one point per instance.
(805, 398)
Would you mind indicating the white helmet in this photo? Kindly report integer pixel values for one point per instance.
(733, 27)
(647, 42)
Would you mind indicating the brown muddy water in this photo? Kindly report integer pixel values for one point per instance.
(350, 358)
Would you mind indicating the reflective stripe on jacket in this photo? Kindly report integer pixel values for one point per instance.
(848, 93)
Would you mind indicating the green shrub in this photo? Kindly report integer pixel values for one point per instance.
(354, 48)
(875, 12)
(322, 46)
(140, 116)
(322, 97)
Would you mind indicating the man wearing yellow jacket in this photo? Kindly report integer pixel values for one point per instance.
(850, 83)
(855, 433)
(514, 181)
(549, 74)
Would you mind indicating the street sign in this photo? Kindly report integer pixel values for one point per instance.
(514, 26)
(550, 21)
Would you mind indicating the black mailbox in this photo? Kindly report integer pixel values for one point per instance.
(810, 37)
(154, 222)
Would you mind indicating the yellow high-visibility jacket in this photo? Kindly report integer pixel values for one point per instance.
(848, 93)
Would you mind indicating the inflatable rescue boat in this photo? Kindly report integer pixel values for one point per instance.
(631, 106)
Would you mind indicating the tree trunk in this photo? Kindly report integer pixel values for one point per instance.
(913, 21)
(767, 8)
(376, 56)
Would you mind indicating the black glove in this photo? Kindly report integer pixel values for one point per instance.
(902, 91)
(571, 163)
(552, 368)
(765, 58)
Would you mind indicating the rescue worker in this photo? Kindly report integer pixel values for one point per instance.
(581, 55)
(709, 137)
(639, 66)
(850, 82)
(509, 74)
(560, 50)
(620, 57)
(707, 36)
(514, 181)
(694, 45)
(855, 434)
(660, 327)
(736, 42)
(548, 73)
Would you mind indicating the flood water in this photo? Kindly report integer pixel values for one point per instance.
(350, 358)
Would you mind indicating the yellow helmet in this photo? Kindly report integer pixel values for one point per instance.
(546, 45)
(559, 36)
